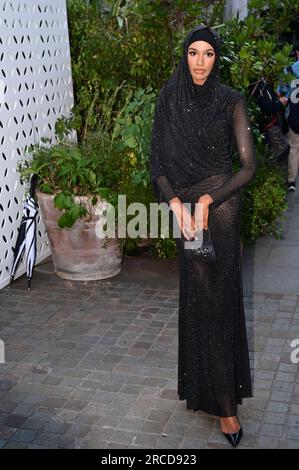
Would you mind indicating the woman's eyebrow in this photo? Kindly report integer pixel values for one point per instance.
(206, 50)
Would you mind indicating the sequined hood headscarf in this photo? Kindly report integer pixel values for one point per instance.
(183, 143)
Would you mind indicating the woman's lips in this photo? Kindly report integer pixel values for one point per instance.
(199, 71)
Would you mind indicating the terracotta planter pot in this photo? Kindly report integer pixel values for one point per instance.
(78, 254)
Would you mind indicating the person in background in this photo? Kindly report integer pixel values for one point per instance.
(272, 122)
(288, 91)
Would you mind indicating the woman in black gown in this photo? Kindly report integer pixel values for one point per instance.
(197, 122)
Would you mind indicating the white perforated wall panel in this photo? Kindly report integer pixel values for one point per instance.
(35, 83)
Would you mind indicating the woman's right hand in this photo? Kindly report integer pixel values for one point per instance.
(283, 100)
(184, 218)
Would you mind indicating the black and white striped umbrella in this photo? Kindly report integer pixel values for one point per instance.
(26, 241)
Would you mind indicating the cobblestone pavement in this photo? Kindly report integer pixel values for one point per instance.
(94, 365)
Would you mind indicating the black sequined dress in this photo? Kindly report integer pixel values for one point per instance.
(191, 151)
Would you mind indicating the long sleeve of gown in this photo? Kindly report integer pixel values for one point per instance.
(245, 145)
(165, 188)
(161, 185)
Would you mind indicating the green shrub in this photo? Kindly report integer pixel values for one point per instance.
(137, 44)
(264, 203)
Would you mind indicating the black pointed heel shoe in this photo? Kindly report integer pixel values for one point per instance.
(234, 438)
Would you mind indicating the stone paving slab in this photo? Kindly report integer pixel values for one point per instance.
(94, 365)
(272, 265)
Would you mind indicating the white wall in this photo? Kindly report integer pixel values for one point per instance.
(232, 7)
(35, 80)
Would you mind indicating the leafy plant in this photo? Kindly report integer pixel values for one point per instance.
(264, 204)
(137, 44)
(165, 247)
(68, 169)
(133, 127)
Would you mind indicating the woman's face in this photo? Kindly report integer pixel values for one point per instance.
(201, 59)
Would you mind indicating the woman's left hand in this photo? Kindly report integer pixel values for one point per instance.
(201, 218)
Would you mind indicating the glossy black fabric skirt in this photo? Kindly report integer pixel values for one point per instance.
(213, 358)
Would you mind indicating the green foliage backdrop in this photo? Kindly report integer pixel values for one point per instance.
(135, 45)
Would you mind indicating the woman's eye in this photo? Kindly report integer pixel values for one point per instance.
(209, 54)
